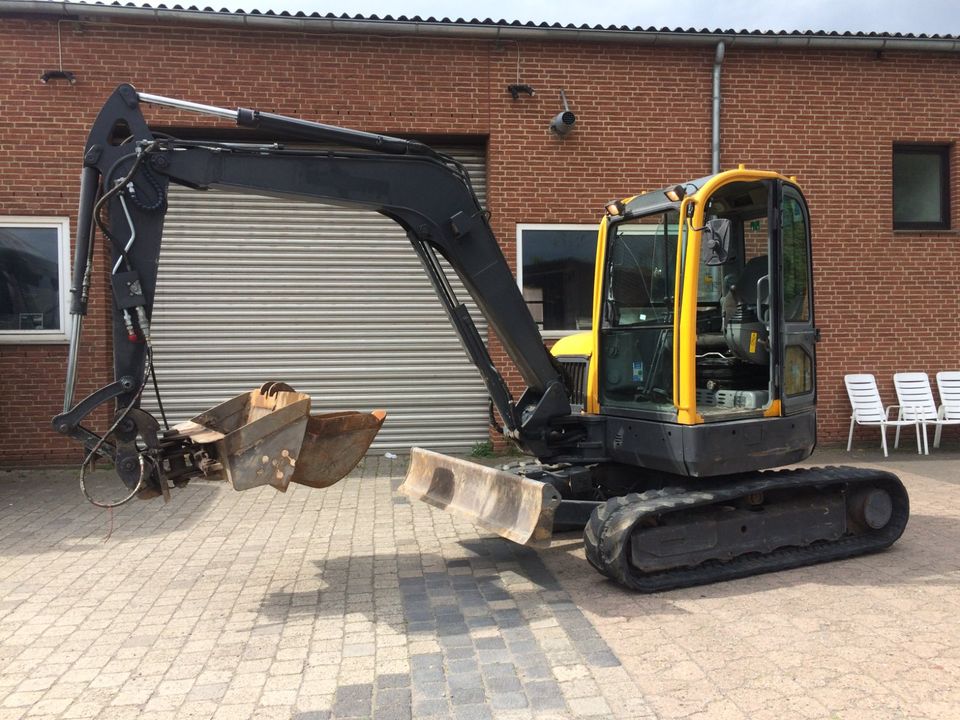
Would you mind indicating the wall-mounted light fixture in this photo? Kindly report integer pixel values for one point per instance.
(562, 124)
(518, 88)
(60, 73)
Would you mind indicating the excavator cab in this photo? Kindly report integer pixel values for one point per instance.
(703, 333)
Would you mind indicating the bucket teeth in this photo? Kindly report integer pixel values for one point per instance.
(515, 507)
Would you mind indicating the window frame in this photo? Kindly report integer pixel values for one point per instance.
(943, 151)
(550, 334)
(62, 226)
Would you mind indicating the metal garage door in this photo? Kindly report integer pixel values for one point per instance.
(332, 301)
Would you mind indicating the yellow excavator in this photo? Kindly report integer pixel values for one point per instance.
(656, 432)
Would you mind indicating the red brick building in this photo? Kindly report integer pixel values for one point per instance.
(833, 110)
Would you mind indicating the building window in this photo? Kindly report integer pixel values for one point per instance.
(33, 279)
(555, 271)
(921, 187)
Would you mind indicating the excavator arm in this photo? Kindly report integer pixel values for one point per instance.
(126, 173)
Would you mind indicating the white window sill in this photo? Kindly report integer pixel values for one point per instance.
(33, 338)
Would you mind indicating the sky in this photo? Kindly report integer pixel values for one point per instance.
(905, 16)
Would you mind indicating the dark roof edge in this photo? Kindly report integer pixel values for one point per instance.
(490, 30)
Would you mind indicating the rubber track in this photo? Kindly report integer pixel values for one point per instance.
(607, 535)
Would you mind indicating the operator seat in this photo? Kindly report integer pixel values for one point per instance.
(745, 286)
(743, 327)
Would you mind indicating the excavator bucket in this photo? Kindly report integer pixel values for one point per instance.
(333, 445)
(268, 437)
(255, 437)
(512, 506)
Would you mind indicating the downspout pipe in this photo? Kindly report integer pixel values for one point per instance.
(717, 63)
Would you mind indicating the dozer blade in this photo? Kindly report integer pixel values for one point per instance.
(333, 445)
(512, 506)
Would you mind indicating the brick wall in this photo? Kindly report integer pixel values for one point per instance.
(885, 301)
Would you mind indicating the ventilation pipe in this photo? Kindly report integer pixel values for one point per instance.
(717, 62)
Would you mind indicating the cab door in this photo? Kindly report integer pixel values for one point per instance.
(797, 359)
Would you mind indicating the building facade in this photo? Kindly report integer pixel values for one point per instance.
(868, 125)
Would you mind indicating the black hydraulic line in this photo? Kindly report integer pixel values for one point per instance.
(89, 187)
(156, 392)
(438, 278)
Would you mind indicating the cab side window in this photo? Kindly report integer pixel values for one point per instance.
(796, 264)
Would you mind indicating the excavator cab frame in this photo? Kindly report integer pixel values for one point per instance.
(682, 387)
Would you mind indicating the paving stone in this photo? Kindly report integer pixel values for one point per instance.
(472, 712)
(491, 643)
(393, 697)
(541, 688)
(338, 603)
(427, 660)
(393, 680)
(547, 702)
(466, 678)
(430, 707)
(508, 701)
(455, 636)
(461, 653)
(498, 669)
(483, 621)
(466, 665)
(601, 658)
(523, 647)
(353, 700)
(430, 689)
(499, 684)
(419, 676)
(467, 695)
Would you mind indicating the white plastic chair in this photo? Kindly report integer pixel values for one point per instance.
(916, 403)
(948, 383)
(868, 409)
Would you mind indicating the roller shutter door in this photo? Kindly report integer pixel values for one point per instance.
(332, 301)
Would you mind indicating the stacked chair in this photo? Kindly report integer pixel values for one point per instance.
(915, 406)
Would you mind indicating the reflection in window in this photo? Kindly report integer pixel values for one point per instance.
(642, 262)
(921, 176)
(796, 302)
(797, 371)
(29, 279)
(635, 367)
(557, 273)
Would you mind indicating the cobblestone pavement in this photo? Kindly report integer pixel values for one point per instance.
(872, 638)
(351, 602)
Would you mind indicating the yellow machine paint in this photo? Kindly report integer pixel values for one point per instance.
(580, 344)
(685, 311)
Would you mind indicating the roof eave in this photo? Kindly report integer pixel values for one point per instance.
(477, 30)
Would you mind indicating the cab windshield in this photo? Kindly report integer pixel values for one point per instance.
(641, 268)
(636, 371)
